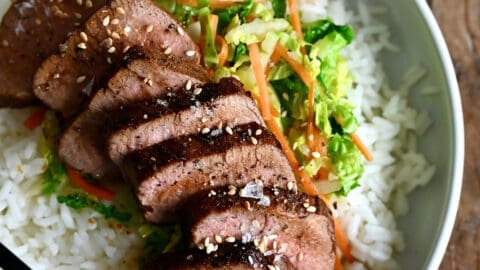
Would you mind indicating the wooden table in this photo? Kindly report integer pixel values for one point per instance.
(460, 23)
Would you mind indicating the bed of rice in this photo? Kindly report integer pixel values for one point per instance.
(48, 235)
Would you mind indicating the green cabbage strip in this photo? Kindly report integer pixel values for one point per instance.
(79, 201)
(160, 238)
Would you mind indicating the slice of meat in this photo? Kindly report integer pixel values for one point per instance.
(278, 221)
(165, 174)
(82, 144)
(29, 33)
(91, 57)
(143, 124)
(225, 256)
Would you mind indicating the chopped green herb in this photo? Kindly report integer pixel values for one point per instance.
(279, 8)
(79, 201)
(226, 15)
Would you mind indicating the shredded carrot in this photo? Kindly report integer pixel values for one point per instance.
(295, 19)
(323, 173)
(338, 262)
(82, 183)
(223, 51)
(274, 58)
(35, 119)
(214, 23)
(342, 241)
(363, 149)
(357, 141)
(275, 112)
(258, 70)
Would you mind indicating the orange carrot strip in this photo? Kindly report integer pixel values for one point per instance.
(275, 112)
(357, 141)
(342, 241)
(305, 181)
(338, 262)
(295, 19)
(214, 23)
(82, 183)
(363, 149)
(258, 70)
(223, 52)
(322, 174)
(36, 118)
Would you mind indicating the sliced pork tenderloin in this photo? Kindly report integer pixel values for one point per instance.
(164, 175)
(227, 256)
(278, 221)
(31, 31)
(143, 124)
(82, 145)
(92, 53)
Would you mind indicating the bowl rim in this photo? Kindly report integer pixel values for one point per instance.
(446, 228)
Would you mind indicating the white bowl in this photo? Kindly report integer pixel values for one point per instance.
(428, 225)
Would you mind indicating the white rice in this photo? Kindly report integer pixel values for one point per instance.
(48, 235)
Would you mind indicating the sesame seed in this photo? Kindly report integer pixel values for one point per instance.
(197, 91)
(306, 204)
(205, 130)
(229, 130)
(38, 21)
(310, 137)
(284, 114)
(290, 185)
(190, 53)
(127, 29)
(271, 267)
(250, 259)
(106, 21)
(254, 140)
(82, 45)
(56, 76)
(180, 31)
(207, 241)
(311, 209)
(115, 35)
(315, 154)
(259, 182)
(88, 4)
(285, 96)
(149, 28)
(230, 239)
(188, 86)
(84, 36)
(108, 42)
(300, 256)
(79, 2)
(247, 205)
(168, 50)
(256, 242)
(301, 168)
(232, 190)
(219, 239)
(145, 116)
(111, 50)
(115, 21)
(212, 192)
(126, 49)
(249, 132)
(81, 79)
(201, 246)
(120, 10)
(77, 15)
(295, 145)
(5, 43)
(274, 245)
(258, 132)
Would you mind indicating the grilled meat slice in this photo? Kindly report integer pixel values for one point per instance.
(226, 256)
(143, 124)
(165, 174)
(30, 31)
(82, 145)
(91, 57)
(284, 222)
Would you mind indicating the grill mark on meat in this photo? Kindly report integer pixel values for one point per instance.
(299, 223)
(146, 123)
(227, 256)
(97, 58)
(30, 31)
(165, 174)
(82, 145)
